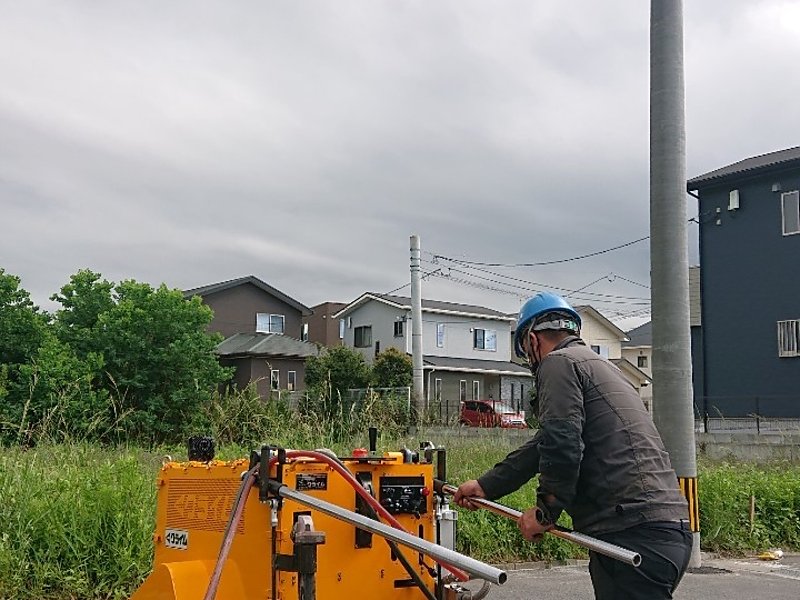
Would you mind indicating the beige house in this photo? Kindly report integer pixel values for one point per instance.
(605, 338)
(638, 350)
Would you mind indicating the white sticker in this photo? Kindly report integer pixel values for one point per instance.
(176, 538)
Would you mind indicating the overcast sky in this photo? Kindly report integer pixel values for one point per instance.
(303, 142)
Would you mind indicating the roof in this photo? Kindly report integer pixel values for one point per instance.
(641, 336)
(431, 306)
(207, 290)
(599, 316)
(749, 166)
(265, 344)
(628, 367)
(472, 365)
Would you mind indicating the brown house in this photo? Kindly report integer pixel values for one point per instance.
(263, 329)
(321, 325)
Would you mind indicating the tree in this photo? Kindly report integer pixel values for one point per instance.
(22, 330)
(392, 368)
(335, 371)
(158, 360)
(83, 300)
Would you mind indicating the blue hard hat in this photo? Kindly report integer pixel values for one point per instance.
(542, 304)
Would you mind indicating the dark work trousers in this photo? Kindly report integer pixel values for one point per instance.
(665, 549)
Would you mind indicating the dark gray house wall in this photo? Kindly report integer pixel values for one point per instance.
(235, 310)
(748, 283)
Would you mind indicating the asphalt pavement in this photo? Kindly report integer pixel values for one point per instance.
(717, 579)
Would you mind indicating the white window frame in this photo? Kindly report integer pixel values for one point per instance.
(291, 381)
(304, 332)
(264, 323)
(437, 389)
(275, 379)
(398, 328)
(486, 340)
(341, 328)
(793, 196)
(789, 338)
(642, 358)
(462, 390)
(440, 335)
(476, 389)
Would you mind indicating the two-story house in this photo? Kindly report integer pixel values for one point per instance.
(466, 351)
(262, 328)
(749, 217)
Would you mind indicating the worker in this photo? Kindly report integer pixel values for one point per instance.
(599, 457)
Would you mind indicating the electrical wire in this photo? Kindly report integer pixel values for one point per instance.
(548, 262)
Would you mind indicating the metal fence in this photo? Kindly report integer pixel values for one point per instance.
(747, 414)
(353, 398)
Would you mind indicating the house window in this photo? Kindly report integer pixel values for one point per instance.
(362, 336)
(440, 335)
(304, 332)
(275, 378)
(601, 350)
(377, 348)
(341, 329)
(484, 339)
(291, 381)
(437, 390)
(788, 338)
(512, 393)
(398, 328)
(641, 362)
(790, 209)
(462, 390)
(269, 323)
(476, 390)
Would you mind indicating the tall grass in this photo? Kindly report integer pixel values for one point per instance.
(726, 492)
(76, 521)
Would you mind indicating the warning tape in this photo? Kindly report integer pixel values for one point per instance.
(688, 487)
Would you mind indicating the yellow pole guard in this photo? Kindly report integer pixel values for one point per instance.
(688, 487)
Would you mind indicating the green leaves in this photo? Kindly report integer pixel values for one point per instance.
(125, 361)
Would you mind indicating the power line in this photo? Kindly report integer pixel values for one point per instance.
(596, 297)
(548, 262)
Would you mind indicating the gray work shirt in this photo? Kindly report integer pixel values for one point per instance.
(597, 451)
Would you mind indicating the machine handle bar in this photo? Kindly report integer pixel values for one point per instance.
(476, 568)
(588, 542)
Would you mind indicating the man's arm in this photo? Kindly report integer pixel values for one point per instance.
(510, 474)
(561, 416)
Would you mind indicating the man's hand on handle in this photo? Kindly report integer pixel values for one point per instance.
(531, 526)
(468, 489)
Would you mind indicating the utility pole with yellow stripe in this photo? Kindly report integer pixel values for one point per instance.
(669, 262)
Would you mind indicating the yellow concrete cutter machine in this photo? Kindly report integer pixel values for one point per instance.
(287, 524)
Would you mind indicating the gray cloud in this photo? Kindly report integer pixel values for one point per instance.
(303, 142)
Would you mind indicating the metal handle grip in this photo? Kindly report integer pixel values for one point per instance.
(474, 567)
(588, 542)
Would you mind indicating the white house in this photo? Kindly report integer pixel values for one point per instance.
(466, 349)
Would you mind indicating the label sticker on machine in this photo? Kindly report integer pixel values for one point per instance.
(176, 538)
(311, 481)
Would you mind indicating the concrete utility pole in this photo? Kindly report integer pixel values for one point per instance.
(416, 329)
(669, 262)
